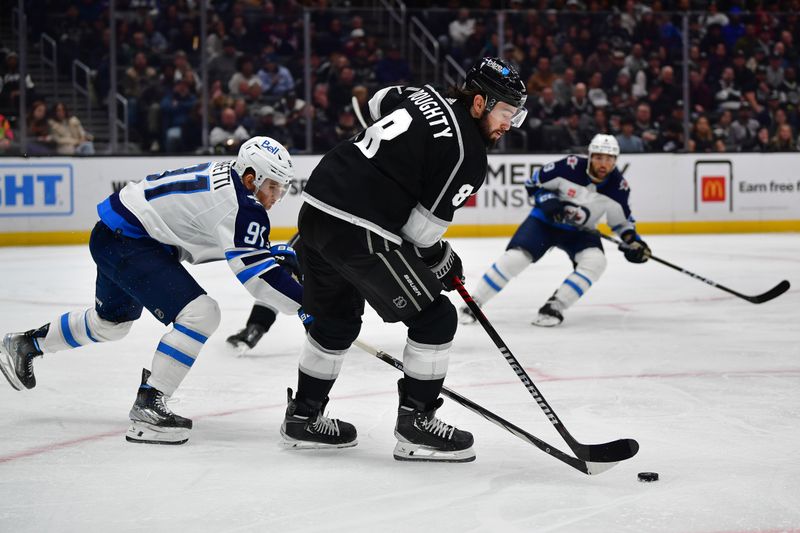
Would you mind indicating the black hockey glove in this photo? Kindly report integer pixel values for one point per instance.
(634, 248)
(286, 257)
(549, 203)
(446, 265)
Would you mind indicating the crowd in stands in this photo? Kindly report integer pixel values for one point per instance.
(591, 66)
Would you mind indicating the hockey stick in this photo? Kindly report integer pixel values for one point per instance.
(608, 452)
(771, 294)
(584, 466)
(357, 111)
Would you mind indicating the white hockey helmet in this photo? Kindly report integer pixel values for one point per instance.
(603, 144)
(268, 159)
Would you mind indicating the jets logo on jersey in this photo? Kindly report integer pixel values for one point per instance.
(623, 185)
(572, 161)
(576, 215)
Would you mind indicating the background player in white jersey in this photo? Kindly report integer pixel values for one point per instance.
(208, 212)
(371, 229)
(571, 193)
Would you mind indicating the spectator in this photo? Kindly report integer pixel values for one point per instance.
(276, 80)
(789, 90)
(68, 134)
(767, 116)
(643, 124)
(393, 69)
(341, 90)
(775, 71)
(244, 78)
(6, 135)
(580, 102)
(564, 86)
(723, 130)
(40, 142)
(296, 113)
(175, 109)
(628, 141)
(670, 139)
(597, 95)
(570, 136)
(743, 76)
(222, 66)
(346, 126)
(702, 138)
(727, 95)
(226, 136)
(243, 116)
(184, 71)
(699, 93)
(154, 39)
(139, 77)
(9, 84)
(461, 29)
(744, 130)
(543, 77)
(783, 140)
(635, 61)
(762, 140)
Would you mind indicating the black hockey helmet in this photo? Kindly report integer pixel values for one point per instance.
(500, 82)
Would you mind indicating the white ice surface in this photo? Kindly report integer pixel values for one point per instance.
(708, 384)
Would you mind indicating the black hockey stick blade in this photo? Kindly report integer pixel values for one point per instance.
(771, 294)
(612, 452)
(587, 467)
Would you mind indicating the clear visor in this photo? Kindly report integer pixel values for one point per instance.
(505, 112)
(274, 189)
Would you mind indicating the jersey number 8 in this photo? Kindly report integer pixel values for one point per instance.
(385, 129)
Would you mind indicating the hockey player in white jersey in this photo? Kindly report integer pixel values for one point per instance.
(207, 212)
(572, 193)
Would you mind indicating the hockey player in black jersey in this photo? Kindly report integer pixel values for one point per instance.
(375, 210)
(570, 193)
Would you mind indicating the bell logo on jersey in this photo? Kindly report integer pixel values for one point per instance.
(36, 190)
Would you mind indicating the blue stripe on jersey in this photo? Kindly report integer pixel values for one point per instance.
(574, 286)
(86, 323)
(65, 331)
(236, 253)
(248, 273)
(280, 280)
(584, 278)
(494, 267)
(190, 333)
(491, 283)
(179, 356)
(116, 217)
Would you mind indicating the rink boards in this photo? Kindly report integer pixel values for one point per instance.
(53, 200)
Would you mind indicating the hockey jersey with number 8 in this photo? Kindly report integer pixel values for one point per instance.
(404, 176)
(206, 214)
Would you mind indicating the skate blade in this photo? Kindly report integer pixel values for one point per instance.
(7, 367)
(405, 451)
(545, 321)
(142, 432)
(294, 444)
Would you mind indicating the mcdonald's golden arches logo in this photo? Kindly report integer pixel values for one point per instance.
(713, 189)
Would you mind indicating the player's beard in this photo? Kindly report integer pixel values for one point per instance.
(487, 132)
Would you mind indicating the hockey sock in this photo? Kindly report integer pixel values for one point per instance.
(311, 391)
(263, 316)
(589, 266)
(78, 328)
(506, 268)
(180, 346)
(423, 392)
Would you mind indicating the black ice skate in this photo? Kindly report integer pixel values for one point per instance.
(423, 437)
(247, 338)
(549, 315)
(305, 426)
(152, 422)
(17, 352)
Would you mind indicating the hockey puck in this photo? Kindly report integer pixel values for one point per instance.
(647, 477)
